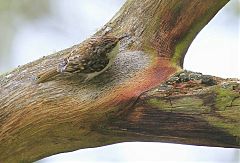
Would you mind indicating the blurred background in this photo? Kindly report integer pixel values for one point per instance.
(31, 29)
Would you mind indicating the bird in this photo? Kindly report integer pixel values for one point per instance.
(89, 59)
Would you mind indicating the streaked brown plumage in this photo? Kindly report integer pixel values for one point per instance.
(89, 59)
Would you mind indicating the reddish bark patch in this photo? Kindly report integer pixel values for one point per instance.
(149, 78)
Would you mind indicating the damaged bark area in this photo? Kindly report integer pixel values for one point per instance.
(188, 108)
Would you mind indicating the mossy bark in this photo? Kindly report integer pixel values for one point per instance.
(122, 104)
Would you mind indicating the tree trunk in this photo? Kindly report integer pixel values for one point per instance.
(142, 97)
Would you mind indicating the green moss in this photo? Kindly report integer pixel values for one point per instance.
(189, 105)
(224, 97)
(227, 113)
(159, 103)
(187, 101)
(183, 44)
(229, 126)
(236, 102)
(181, 48)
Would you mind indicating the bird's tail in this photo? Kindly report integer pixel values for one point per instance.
(42, 77)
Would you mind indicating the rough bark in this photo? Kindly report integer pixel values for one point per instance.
(129, 102)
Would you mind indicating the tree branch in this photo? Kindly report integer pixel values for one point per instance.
(64, 114)
(189, 108)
